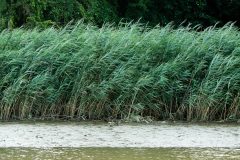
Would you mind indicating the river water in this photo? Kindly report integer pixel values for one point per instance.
(100, 141)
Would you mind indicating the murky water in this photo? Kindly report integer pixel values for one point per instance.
(89, 141)
(120, 154)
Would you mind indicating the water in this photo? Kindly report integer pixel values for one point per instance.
(120, 154)
(90, 141)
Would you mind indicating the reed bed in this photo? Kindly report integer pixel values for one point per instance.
(118, 72)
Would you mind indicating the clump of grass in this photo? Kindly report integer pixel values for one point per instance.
(85, 72)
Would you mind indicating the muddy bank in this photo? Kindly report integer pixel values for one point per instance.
(45, 135)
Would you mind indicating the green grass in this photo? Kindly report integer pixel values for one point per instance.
(85, 72)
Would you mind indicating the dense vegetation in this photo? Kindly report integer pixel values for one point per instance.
(86, 72)
(43, 13)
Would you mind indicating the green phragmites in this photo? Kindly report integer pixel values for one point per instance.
(85, 72)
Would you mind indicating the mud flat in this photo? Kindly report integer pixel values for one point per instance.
(48, 135)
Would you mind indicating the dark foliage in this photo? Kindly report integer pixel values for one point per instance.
(42, 13)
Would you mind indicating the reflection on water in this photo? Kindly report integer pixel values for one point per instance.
(119, 154)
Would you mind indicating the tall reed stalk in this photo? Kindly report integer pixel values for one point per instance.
(85, 72)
